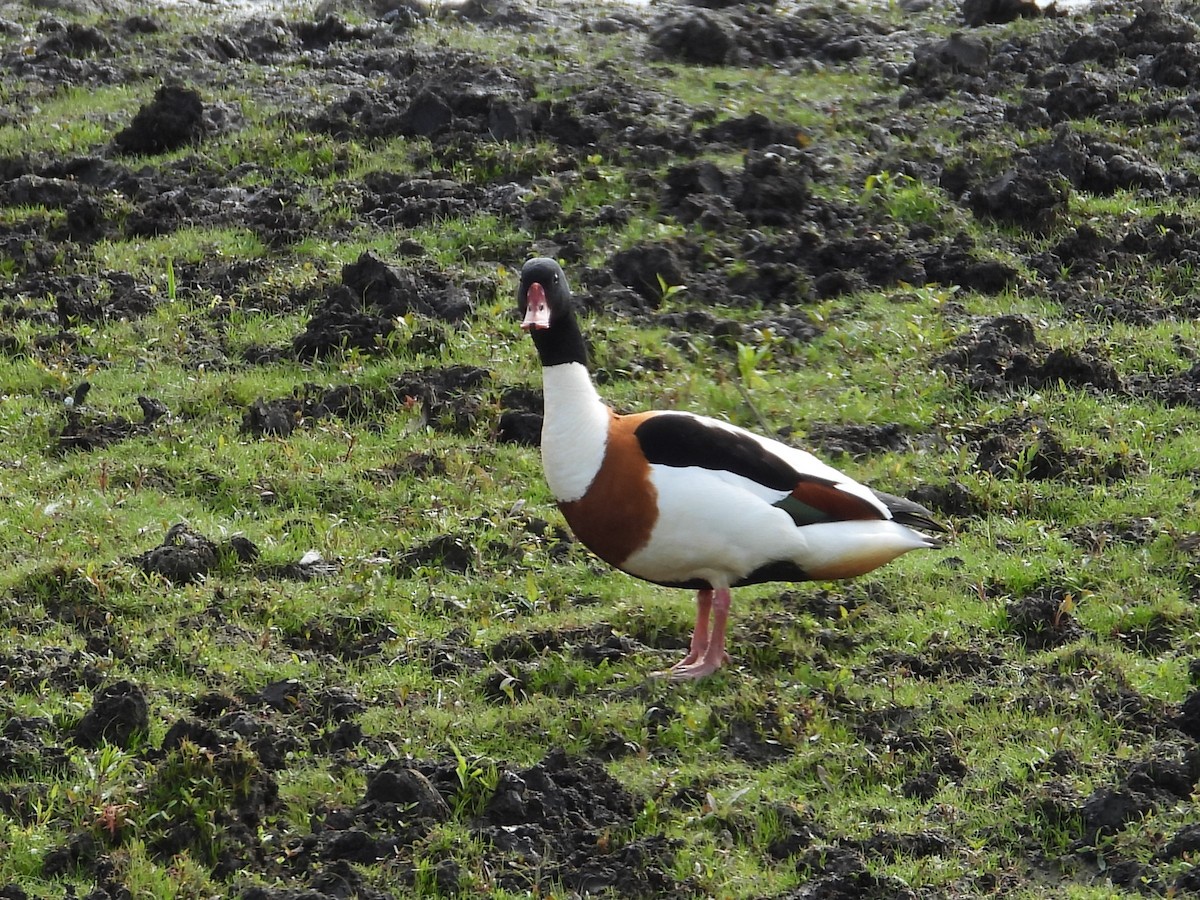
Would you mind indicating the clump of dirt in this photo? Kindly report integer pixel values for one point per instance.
(525, 664)
(829, 247)
(754, 738)
(943, 661)
(1188, 720)
(1044, 618)
(1179, 389)
(119, 711)
(1022, 197)
(1003, 353)
(173, 119)
(914, 845)
(594, 644)
(957, 262)
(26, 753)
(450, 398)
(954, 59)
(1097, 536)
(787, 328)
(343, 636)
(1098, 166)
(694, 37)
(447, 552)
(1156, 633)
(521, 412)
(186, 555)
(231, 799)
(649, 269)
(1167, 776)
(361, 312)
(548, 824)
(749, 35)
(551, 818)
(279, 418)
(1027, 447)
(773, 188)
(840, 873)
(86, 430)
(952, 499)
(396, 201)
(992, 12)
(435, 93)
(858, 441)
(445, 657)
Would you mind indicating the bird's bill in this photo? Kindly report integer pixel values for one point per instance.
(537, 310)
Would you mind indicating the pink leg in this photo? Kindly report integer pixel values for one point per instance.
(699, 642)
(709, 657)
(699, 630)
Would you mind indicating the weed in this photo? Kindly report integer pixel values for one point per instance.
(477, 782)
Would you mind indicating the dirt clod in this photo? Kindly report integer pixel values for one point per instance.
(119, 711)
(183, 556)
(173, 119)
(1044, 618)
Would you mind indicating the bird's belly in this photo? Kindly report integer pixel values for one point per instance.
(712, 531)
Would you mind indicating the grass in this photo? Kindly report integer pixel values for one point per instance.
(76, 120)
(843, 697)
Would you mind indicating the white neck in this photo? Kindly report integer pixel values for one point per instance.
(574, 430)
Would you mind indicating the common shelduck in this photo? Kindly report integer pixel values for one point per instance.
(687, 501)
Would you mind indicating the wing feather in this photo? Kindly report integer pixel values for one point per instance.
(808, 490)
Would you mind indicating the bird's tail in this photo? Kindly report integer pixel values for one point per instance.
(906, 512)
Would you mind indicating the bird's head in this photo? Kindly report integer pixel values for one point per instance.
(543, 294)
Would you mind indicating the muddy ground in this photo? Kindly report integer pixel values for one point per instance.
(549, 824)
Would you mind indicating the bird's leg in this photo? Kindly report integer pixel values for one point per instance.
(700, 635)
(713, 654)
(699, 631)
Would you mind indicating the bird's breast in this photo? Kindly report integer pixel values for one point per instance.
(617, 513)
(574, 431)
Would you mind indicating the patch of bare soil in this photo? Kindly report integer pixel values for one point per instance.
(1044, 618)
(547, 824)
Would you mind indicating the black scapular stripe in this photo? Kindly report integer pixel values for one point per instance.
(674, 439)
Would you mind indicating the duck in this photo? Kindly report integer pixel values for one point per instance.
(683, 500)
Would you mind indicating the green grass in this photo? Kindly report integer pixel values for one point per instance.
(77, 119)
(152, 258)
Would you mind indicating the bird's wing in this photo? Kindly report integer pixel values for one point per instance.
(807, 489)
(906, 512)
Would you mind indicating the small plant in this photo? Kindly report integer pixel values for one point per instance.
(667, 291)
(477, 782)
(1063, 611)
(903, 197)
(750, 358)
(883, 184)
(1022, 464)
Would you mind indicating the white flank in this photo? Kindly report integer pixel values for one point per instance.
(732, 529)
(714, 526)
(574, 430)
